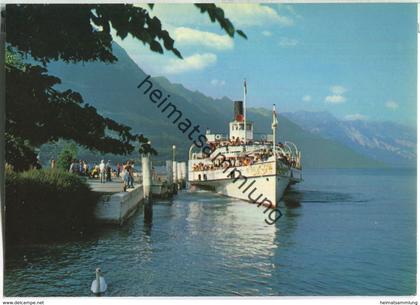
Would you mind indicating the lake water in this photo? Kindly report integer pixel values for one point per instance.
(343, 232)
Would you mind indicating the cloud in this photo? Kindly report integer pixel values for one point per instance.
(266, 33)
(335, 99)
(167, 64)
(339, 90)
(306, 98)
(337, 95)
(392, 105)
(217, 82)
(289, 9)
(254, 14)
(356, 117)
(286, 42)
(194, 62)
(188, 36)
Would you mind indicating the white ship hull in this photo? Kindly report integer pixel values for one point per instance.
(262, 191)
(257, 183)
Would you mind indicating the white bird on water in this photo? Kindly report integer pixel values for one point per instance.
(98, 285)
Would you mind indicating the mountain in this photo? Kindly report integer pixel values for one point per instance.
(387, 142)
(112, 89)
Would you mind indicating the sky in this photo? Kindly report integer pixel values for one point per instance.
(357, 61)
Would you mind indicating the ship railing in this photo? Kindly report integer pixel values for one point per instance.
(198, 154)
(289, 151)
(211, 167)
(295, 154)
(292, 146)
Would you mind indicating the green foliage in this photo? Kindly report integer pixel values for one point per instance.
(19, 153)
(66, 156)
(46, 204)
(13, 59)
(50, 151)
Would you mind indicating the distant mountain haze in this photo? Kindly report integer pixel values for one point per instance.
(387, 142)
(112, 89)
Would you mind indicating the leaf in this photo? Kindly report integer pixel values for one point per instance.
(242, 34)
(155, 26)
(216, 14)
(177, 53)
(156, 47)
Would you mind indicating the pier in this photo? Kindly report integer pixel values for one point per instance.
(116, 206)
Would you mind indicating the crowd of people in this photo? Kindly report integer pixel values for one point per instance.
(237, 142)
(103, 171)
(238, 161)
(222, 163)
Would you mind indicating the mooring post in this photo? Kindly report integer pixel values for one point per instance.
(169, 172)
(147, 183)
(184, 174)
(179, 173)
(174, 169)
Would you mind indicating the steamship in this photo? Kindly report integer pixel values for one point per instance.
(241, 166)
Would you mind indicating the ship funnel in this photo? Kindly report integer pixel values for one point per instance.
(238, 109)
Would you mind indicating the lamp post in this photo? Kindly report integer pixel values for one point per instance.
(173, 153)
(147, 185)
(174, 166)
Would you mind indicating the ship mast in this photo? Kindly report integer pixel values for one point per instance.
(245, 111)
(274, 127)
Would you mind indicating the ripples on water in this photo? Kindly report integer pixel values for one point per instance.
(342, 233)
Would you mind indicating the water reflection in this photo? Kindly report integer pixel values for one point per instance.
(292, 198)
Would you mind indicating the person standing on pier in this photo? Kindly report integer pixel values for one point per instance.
(118, 169)
(131, 172)
(126, 175)
(74, 167)
(108, 170)
(102, 171)
(81, 169)
(85, 168)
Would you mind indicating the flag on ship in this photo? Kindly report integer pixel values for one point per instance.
(275, 122)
